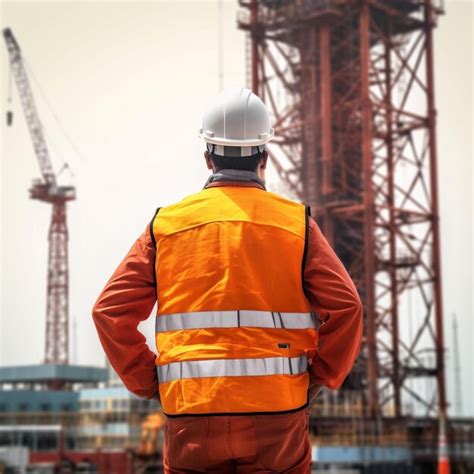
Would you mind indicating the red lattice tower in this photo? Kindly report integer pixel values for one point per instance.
(350, 86)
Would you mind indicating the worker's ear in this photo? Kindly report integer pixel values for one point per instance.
(209, 163)
(263, 161)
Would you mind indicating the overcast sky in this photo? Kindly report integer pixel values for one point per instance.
(128, 83)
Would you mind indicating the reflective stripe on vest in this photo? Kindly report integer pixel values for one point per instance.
(232, 368)
(233, 319)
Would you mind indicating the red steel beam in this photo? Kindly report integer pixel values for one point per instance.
(429, 21)
(366, 145)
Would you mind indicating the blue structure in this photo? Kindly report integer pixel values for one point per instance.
(26, 388)
(24, 401)
(44, 373)
(34, 398)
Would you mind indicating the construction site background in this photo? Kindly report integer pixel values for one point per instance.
(96, 108)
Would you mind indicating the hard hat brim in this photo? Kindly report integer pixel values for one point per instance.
(237, 142)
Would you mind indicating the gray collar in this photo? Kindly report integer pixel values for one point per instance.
(244, 176)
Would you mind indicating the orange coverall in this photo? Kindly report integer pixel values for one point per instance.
(236, 443)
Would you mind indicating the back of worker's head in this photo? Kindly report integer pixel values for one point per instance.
(236, 127)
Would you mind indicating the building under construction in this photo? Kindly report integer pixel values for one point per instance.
(351, 88)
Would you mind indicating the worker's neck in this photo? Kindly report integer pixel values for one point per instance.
(234, 175)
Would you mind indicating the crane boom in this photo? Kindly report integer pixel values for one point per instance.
(34, 124)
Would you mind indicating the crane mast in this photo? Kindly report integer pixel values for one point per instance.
(46, 189)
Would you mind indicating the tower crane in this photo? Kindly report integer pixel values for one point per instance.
(47, 189)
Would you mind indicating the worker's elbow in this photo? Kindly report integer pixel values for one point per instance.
(356, 316)
(359, 321)
(97, 311)
(358, 307)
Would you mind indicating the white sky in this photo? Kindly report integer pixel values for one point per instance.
(129, 81)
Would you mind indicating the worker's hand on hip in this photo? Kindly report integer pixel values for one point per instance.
(156, 397)
(313, 392)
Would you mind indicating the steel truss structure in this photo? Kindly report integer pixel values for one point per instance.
(350, 86)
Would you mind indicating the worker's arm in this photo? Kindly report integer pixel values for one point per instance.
(334, 298)
(127, 299)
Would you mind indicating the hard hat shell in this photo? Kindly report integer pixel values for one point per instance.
(237, 117)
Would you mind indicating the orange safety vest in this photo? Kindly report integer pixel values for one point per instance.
(234, 330)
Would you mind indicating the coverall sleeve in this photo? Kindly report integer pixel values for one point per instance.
(334, 298)
(127, 299)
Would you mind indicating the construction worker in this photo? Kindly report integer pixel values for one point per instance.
(255, 311)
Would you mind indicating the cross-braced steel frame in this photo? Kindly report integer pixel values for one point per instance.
(350, 87)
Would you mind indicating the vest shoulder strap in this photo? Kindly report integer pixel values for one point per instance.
(306, 243)
(150, 227)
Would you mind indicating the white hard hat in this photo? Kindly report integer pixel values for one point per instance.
(237, 118)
